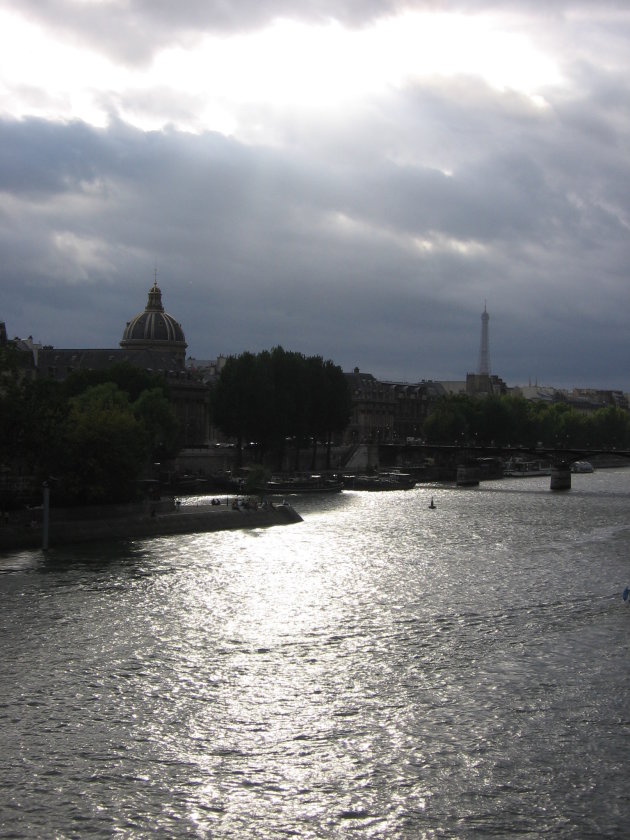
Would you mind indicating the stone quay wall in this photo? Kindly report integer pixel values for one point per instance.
(141, 524)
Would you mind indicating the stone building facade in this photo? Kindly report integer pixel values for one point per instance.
(153, 341)
(388, 412)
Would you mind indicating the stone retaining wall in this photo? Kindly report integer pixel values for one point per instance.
(143, 525)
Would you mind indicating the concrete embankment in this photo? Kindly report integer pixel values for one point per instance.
(140, 525)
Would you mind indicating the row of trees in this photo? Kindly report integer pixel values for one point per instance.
(93, 434)
(278, 398)
(513, 421)
(98, 431)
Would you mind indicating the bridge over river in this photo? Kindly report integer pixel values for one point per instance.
(467, 458)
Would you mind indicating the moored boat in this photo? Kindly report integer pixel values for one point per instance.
(518, 468)
(380, 481)
(304, 484)
(242, 481)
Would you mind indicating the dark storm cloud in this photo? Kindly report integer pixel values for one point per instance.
(245, 240)
(372, 237)
(256, 247)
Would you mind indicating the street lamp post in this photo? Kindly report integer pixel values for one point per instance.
(45, 515)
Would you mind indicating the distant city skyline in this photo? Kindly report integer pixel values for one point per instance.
(292, 190)
(154, 301)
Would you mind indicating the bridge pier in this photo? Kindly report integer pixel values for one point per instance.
(561, 476)
(467, 475)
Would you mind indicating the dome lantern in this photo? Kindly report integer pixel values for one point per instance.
(155, 298)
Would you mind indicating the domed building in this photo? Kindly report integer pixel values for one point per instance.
(154, 341)
(155, 329)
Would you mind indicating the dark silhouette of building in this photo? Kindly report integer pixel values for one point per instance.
(153, 341)
(388, 412)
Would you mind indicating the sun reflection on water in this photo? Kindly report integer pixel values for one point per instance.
(370, 669)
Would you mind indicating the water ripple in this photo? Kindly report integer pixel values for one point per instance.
(379, 670)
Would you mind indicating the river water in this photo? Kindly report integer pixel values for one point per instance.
(380, 670)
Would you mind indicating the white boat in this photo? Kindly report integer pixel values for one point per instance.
(518, 468)
(581, 467)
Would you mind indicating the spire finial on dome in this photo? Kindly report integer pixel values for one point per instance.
(155, 295)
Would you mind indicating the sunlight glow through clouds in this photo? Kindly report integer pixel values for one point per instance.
(433, 242)
(437, 242)
(292, 64)
(44, 77)
(80, 255)
(286, 65)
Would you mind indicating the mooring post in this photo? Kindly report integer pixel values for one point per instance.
(45, 515)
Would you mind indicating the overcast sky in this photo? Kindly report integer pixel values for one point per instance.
(348, 178)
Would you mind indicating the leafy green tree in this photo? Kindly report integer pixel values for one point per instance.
(574, 428)
(520, 421)
(551, 424)
(611, 428)
(332, 408)
(94, 433)
(495, 421)
(448, 422)
(280, 396)
(513, 421)
(106, 447)
(291, 407)
(42, 412)
(11, 408)
(132, 380)
(155, 413)
(236, 399)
